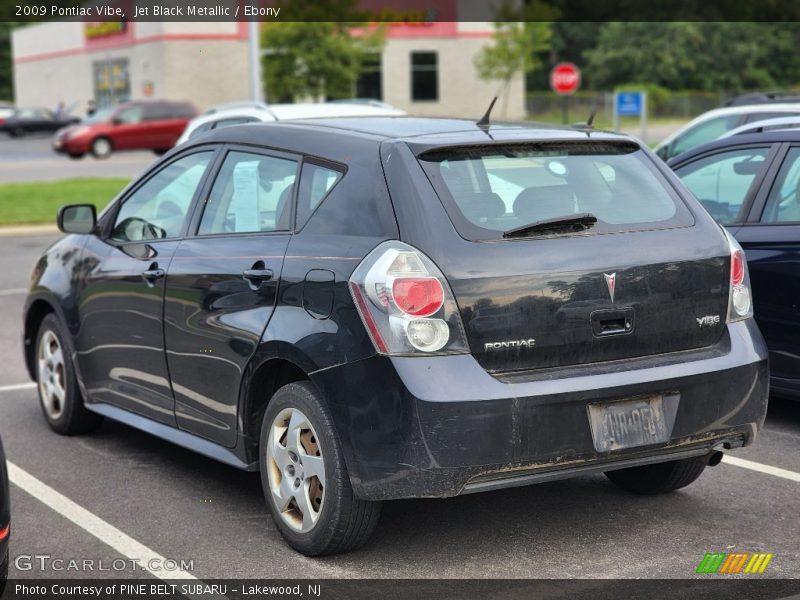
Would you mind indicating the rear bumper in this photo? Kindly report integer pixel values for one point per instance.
(442, 426)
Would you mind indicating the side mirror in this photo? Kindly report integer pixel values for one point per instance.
(77, 218)
(117, 121)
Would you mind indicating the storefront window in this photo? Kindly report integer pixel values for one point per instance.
(424, 76)
(369, 83)
(111, 82)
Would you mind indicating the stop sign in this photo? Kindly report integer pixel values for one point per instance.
(565, 78)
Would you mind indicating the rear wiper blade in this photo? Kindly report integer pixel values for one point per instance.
(566, 224)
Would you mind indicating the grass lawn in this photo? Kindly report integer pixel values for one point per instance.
(27, 203)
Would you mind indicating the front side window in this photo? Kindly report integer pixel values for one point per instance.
(488, 191)
(702, 133)
(722, 181)
(158, 209)
(783, 202)
(132, 114)
(252, 193)
(424, 76)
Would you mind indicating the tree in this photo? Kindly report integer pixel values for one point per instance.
(516, 47)
(695, 56)
(318, 51)
(6, 65)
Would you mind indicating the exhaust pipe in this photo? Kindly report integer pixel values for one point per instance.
(714, 458)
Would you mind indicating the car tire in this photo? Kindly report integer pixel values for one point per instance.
(17, 132)
(4, 574)
(658, 478)
(297, 427)
(101, 147)
(59, 395)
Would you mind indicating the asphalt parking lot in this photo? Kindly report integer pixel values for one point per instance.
(120, 493)
(31, 159)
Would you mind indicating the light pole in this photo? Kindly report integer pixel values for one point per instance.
(254, 55)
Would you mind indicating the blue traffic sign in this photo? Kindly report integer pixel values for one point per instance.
(629, 104)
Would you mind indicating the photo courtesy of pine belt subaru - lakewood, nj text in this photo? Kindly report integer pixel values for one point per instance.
(365, 309)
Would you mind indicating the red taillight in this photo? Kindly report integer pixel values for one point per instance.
(737, 267)
(418, 296)
(4, 532)
(372, 327)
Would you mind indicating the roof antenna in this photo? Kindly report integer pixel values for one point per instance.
(587, 127)
(484, 122)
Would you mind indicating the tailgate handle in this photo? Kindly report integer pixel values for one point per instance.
(612, 322)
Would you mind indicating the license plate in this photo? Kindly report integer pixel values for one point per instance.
(630, 423)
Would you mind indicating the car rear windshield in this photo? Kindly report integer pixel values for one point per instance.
(488, 190)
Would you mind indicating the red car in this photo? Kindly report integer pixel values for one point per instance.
(139, 125)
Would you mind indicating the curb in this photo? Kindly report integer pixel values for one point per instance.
(12, 230)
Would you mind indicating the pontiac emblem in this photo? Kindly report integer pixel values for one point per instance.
(611, 283)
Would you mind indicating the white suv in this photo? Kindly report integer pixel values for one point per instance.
(233, 114)
(713, 124)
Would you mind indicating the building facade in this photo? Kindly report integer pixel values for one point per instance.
(72, 62)
(426, 68)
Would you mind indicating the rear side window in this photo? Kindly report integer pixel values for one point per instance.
(200, 129)
(488, 190)
(252, 192)
(233, 121)
(315, 183)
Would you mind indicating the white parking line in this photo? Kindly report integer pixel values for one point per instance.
(761, 468)
(103, 531)
(13, 291)
(13, 387)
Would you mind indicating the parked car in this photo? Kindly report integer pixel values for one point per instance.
(282, 112)
(776, 97)
(34, 120)
(5, 520)
(139, 125)
(6, 110)
(236, 104)
(712, 124)
(765, 125)
(310, 299)
(367, 101)
(751, 184)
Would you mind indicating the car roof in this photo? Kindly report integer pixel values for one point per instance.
(743, 109)
(335, 137)
(153, 103)
(772, 124)
(443, 131)
(745, 139)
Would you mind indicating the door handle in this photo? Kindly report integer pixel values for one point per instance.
(152, 274)
(257, 274)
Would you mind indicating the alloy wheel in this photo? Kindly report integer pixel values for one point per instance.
(296, 470)
(52, 375)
